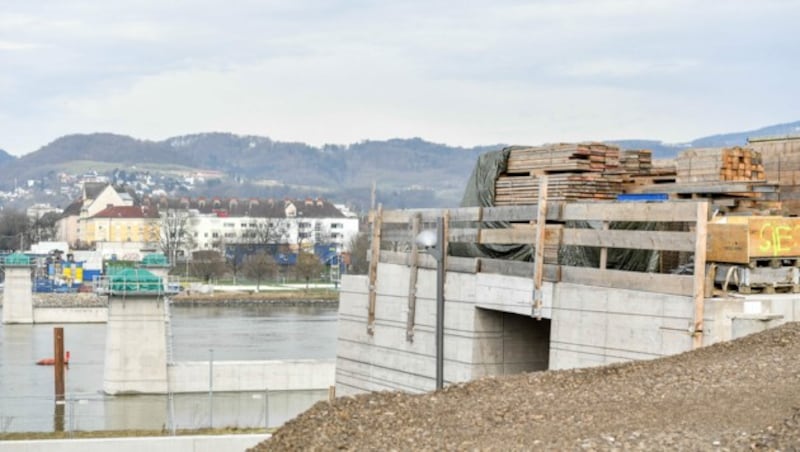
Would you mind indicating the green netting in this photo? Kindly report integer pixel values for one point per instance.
(18, 259)
(134, 280)
(155, 260)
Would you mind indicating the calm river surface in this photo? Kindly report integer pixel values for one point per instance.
(233, 333)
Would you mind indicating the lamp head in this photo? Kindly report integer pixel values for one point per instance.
(426, 239)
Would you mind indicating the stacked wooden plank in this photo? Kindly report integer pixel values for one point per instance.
(719, 165)
(636, 162)
(520, 190)
(781, 158)
(563, 157)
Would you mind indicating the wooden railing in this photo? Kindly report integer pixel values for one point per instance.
(396, 231)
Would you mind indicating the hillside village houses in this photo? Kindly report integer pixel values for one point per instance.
(105, 219)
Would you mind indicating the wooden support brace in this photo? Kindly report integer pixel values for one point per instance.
(416, 220)
(604, 250)
(538, 262)
(375, 250)
(699, 273)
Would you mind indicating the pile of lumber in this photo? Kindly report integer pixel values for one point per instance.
(719, 165)
(521, 190)
(636, 162)
(575, 171)
(781, 157)
(563, 157)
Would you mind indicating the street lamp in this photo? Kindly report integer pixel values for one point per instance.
(432, 241)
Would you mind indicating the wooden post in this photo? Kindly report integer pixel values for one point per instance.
(699, 273)
(58, 363)
(604, 250)
(412, 280)
(538, 261)
(374, 257)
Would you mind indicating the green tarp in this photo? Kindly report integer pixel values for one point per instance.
(155, 260)
(18, 259)
(134, 280)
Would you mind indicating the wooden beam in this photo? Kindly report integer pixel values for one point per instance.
(375, 252)
(631, 211)
(426, 261)
(647, 282)
(699, 273)
(412, 280)
(522, 269)
(619, 238)
(604, 249)
(538, 260)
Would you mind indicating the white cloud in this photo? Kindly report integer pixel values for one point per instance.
(467, 73)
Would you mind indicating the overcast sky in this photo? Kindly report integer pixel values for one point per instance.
(337, 71)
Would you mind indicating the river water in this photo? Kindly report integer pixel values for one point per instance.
(199, 334)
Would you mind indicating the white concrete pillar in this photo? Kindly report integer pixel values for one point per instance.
(136, 346)
(18, 294)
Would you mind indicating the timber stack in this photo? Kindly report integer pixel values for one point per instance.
(719, 164)
(762, 178)
(781, 157)
(575, 172)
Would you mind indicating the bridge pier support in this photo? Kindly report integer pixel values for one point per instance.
(136, 348)
(18, 291)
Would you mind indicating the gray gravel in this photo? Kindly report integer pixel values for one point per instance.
(739, 395)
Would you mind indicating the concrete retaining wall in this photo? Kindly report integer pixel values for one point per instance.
(491, 327)
(596, 325)
(478, 342)
(199, 443)
(275, 375)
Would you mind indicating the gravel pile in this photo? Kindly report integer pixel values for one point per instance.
(738, 395)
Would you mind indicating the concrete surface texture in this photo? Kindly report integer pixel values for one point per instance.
(17, 295)
(136, 346)
(491, 327)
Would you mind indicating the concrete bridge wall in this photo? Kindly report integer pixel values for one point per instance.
(478, 342)
(491, 327)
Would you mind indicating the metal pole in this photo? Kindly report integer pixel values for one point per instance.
(210, 388)
(439, 250)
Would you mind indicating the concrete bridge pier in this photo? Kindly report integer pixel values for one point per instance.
(18, 292)
(136, 348)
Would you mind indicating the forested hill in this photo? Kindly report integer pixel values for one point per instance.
(408, 172)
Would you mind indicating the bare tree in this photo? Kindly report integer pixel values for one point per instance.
(15, 228)
(207, 264)
(358, 247)
(308, 265)
(43, 228)
(259, 266)
(175, 233)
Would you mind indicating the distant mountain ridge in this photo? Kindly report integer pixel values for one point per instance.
(408, 172)
(669, 150)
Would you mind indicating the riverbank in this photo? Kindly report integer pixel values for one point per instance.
(286, 297)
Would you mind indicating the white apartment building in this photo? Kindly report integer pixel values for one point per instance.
(214, 223)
